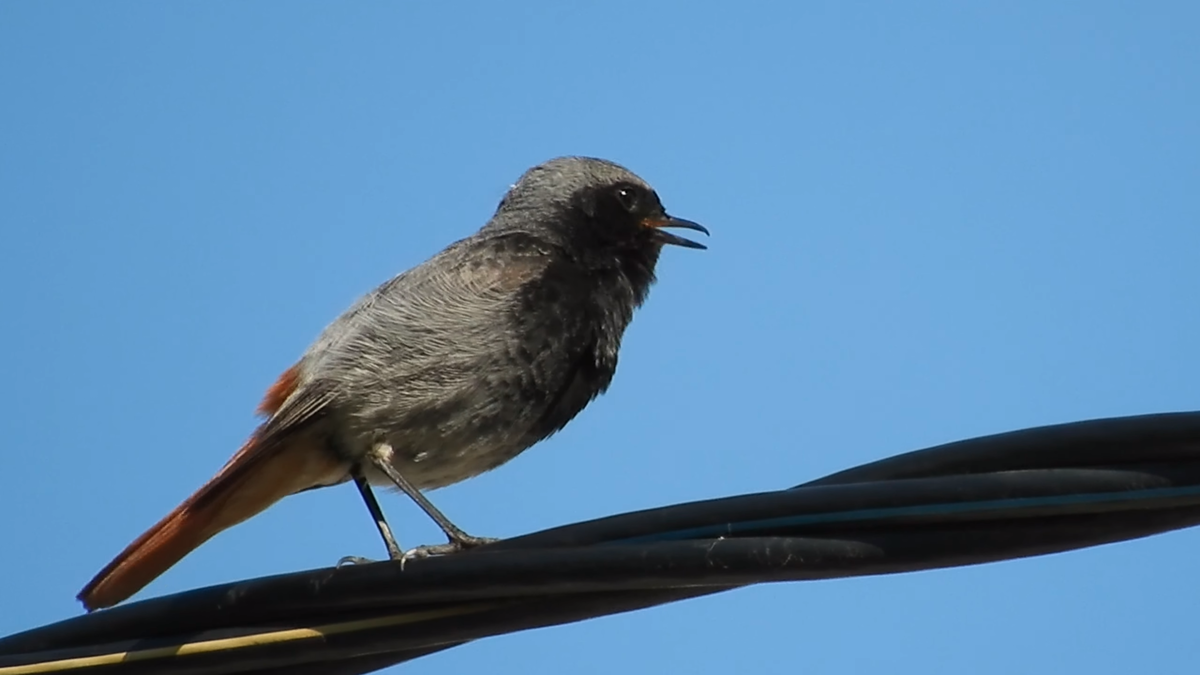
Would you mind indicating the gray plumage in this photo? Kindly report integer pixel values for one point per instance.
(447, 370)
(466, 360)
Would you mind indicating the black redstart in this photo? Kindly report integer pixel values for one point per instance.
(447, 370)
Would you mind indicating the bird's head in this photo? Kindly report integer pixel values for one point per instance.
(596, 209)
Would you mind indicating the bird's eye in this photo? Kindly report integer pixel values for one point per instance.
(628, 198)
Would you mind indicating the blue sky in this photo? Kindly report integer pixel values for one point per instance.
(929, 221)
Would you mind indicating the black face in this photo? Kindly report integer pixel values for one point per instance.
(629, 214)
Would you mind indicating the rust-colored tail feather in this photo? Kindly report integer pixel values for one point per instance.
(254, 479)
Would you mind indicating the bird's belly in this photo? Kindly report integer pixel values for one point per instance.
(481, 414)
(441, 462)
(458, 439)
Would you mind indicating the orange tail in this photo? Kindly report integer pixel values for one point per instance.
(254, 479)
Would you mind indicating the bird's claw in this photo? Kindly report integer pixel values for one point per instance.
(460, 544)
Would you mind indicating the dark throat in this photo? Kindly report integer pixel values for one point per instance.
(620, 284)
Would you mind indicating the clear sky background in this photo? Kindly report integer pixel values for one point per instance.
(930, 221)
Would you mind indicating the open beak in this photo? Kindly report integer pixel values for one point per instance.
(658, 224)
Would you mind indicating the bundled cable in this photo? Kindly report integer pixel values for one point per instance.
(1012, 495)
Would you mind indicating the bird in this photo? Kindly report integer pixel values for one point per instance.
(445, 371)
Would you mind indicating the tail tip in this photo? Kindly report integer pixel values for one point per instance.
(87, 598)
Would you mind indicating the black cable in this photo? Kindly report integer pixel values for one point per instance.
(1013, 495)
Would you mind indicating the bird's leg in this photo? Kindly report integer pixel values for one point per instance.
(364, 489)
(381, 458)
(385, 531)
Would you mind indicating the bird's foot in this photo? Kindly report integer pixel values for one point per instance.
(455, 545)
(354, 560)
(465, 541)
